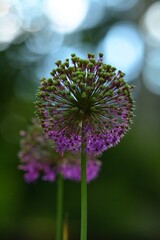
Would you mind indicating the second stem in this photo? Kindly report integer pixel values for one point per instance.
(59, 208)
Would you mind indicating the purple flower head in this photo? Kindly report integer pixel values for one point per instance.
(86, 98)
(72, 171)
(39, 160)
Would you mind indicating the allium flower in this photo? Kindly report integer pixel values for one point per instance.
(39, 160)
(72, 171)
(87, 98)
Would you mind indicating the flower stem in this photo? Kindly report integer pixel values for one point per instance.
(83, 194)
(59, 208)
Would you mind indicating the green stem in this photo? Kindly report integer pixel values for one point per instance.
(59, 208)
(83, 193)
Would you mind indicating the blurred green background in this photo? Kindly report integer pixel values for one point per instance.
(125, 200)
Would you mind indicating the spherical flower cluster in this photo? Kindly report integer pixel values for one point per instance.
(86, 99)
(39, 160)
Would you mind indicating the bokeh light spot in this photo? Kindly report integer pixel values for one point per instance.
(150, 24)
(123, 48)
(151, 73)
(66, 16)
(30, 13)
(5, 6)
(9, 28)
(44, 41)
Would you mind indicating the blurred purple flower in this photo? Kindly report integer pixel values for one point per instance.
(39, 160)
(73, 171)
(88, 98)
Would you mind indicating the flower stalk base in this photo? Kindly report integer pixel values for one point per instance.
(83, 194)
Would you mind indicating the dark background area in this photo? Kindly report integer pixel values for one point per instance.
(124, 201)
